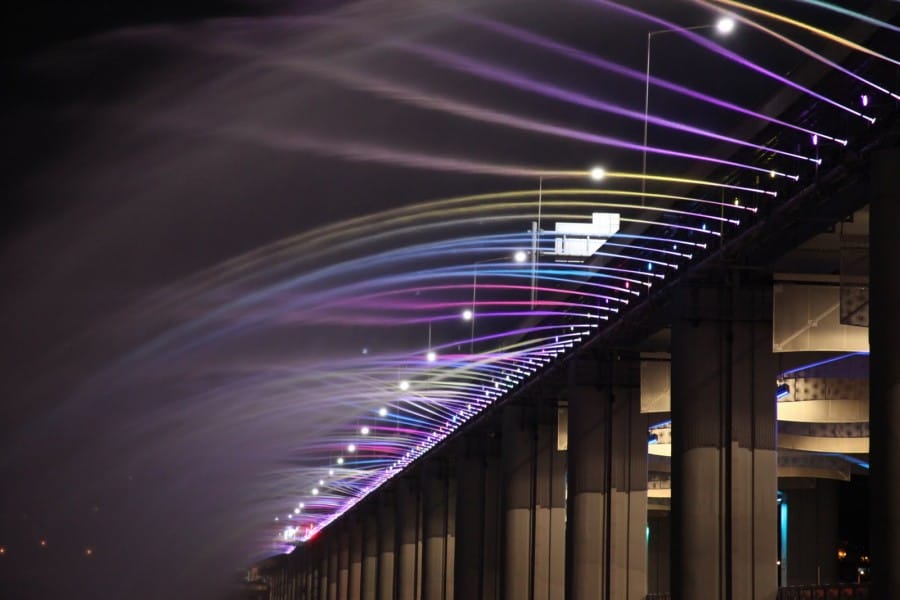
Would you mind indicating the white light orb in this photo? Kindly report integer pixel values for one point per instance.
(725, 25)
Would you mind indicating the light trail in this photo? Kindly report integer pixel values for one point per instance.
(726, 53)
(593, 60)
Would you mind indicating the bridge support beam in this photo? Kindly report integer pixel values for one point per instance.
(470, 519)
(324, 566)
(607, 522)
(519, 438)
(478, 501)
(586, 525)
(408, 527)
(884, 403)
(550, 513)
(354, 586)
(343, 576)
(436, 531)
(333, 551)
(369, 583)
(723, 455)
(387, 528)
(812, 541)
(628, 497)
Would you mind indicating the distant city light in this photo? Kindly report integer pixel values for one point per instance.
(431, 356)
(520, 256)
(364, 430)
(864, 99)
(404, 385)
(321, 482)
(382, 412)
(315, 491)
(296, 511)
(340, 460)
(467, 315)
(598, 173)
(351, 448)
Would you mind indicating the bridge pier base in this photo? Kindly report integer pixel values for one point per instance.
(724, 480)
(884, 403)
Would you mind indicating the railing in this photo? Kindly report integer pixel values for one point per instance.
(834, 591)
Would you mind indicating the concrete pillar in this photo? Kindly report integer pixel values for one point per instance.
(343, 576)
(884, 365)
(491, 573)
(470, 520)
(354, 587)
(312, 578)
(628, 496)
(724, 506)
(324, 568)
(812, 541)
(387, 529)
(450, 556)
(586, 525)
(519, 446)
(550, 512)
(658, 574)
(333, 552)
(435, 529)
(369, 585)
(408, 569)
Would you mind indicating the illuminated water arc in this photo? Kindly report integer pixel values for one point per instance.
(726, 53)
(300, 247)
(803, 49)
(670, 179)
(849, 13)
(595, 61)
(520, 206)
(807, 27)
(520, 81)
(362, 151)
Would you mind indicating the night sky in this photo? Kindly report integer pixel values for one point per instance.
(146, 439)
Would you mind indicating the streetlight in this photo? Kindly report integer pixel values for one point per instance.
(723, 26)
(519, 256)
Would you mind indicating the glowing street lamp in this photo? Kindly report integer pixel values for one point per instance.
(723, 26)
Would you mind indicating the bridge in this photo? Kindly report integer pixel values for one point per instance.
(671, 388)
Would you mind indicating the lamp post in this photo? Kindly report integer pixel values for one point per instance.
(723, 26)
(469, 314)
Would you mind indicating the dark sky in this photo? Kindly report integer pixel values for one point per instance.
(143, 145)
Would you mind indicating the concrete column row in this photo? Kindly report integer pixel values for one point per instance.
(489, 524)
